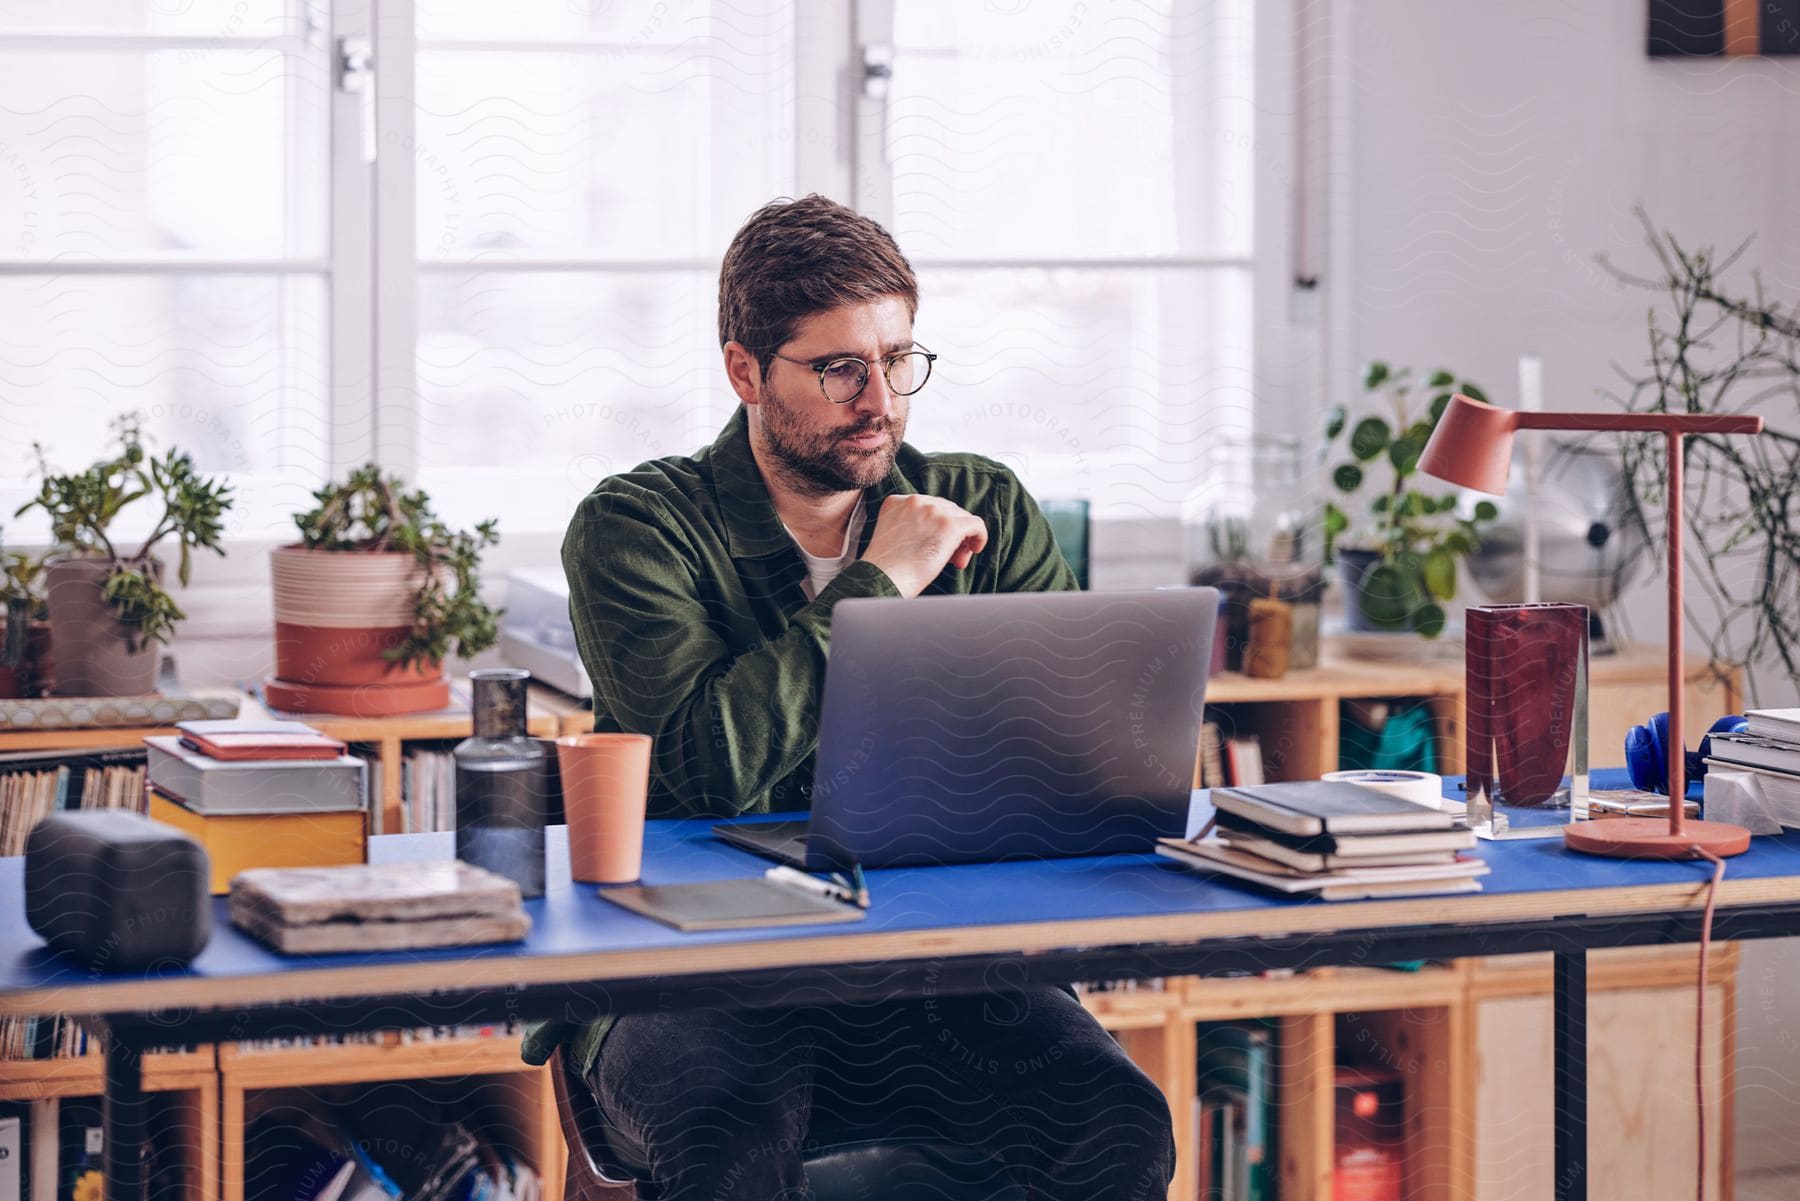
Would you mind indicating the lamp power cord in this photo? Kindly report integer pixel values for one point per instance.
(1706, 922)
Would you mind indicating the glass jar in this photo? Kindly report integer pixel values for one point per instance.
(502, 784)
(1256, 530)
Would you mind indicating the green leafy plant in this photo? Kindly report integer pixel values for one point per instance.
(21, 583)
(1420, 536)
(21, 599)
(371, 513)
(83, 505)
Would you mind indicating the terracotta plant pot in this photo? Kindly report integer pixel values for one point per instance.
(336, 614)
(93, 655)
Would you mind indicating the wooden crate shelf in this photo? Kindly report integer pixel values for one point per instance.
(82, 1076)
(1322, 990)
(350, 1063)
(519, 1091)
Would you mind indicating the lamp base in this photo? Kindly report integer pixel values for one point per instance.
(1649, 838)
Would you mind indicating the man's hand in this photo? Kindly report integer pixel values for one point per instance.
(916, 535)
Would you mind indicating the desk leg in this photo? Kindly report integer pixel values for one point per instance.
(1571, 1075)
(124, 1119)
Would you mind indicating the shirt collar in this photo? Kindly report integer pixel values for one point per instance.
(752, 529)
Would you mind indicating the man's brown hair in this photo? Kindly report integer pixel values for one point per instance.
(795, 258)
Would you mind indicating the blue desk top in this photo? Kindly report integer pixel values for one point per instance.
(571, 920)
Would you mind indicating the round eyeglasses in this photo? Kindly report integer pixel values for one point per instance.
(842, 380)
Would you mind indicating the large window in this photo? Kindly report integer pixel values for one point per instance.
(580, 170)
(480, 241)
(164, 177)
(1073, 182)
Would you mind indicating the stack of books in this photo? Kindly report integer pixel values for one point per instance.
(260, 794)
(1235, 1111)
(1769, 747)
(35, 784)
(1333, 840)
(1227, 759)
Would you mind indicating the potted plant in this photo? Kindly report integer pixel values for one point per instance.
(1399, 560)
(24, 626)
(108, 610)
(372, 598)
(1723, 340)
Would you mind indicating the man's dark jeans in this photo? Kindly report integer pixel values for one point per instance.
(724, 1104)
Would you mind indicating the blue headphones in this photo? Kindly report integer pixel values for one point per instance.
(1647, 752)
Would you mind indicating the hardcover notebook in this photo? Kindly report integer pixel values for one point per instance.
(730, 904)
(258, 740)
(1308, 807)
(1780, 724)
(208, 785)
(1319, 861)
(1755, 750)
(1379, 846)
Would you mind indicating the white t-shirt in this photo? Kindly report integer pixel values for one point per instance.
(820, 572)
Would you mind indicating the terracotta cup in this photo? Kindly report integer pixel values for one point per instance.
(605, 780)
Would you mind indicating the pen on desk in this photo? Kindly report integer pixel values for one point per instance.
(862, 885)
(812, 884)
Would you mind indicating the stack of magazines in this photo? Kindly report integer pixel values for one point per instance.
(1333, 840)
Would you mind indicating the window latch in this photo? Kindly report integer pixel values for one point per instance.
(356, 76)
(877, 70)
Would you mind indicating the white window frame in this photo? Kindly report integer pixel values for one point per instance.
(821, 163)
(228, 598)
(344, 269)
(372, 271)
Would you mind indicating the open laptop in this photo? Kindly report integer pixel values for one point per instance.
(964, 729)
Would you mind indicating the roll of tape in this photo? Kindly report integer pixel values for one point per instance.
(1419, 787)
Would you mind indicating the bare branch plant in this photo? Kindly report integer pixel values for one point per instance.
(1716, 348)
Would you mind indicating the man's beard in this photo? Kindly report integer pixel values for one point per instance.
(820, 461)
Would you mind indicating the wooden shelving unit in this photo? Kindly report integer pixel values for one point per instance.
(218, 1088)
(1471, 1041)
(187, 1081)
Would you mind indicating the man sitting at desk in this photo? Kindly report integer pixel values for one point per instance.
(701, 590)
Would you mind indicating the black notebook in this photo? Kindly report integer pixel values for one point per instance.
(1349, 846)
(1306, 807)
(730, 904)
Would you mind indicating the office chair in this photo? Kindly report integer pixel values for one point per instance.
(863, 1171)
(1072, 528)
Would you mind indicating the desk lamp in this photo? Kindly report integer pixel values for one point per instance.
(1472, 447)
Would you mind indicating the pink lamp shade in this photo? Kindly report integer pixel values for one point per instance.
(1472, 446)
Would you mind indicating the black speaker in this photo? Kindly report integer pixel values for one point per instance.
(116, 890)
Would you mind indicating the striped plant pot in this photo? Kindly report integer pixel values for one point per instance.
(336, 613)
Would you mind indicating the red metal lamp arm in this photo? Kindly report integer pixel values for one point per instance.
(1649, 423)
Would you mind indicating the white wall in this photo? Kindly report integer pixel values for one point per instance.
(1494, 150)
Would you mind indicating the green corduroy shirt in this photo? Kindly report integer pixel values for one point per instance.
(685, 593)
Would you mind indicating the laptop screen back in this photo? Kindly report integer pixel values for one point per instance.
(972, 728)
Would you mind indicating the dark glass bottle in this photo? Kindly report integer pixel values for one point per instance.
(502, 784)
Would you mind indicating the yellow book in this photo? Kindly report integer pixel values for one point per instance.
(235, 842)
